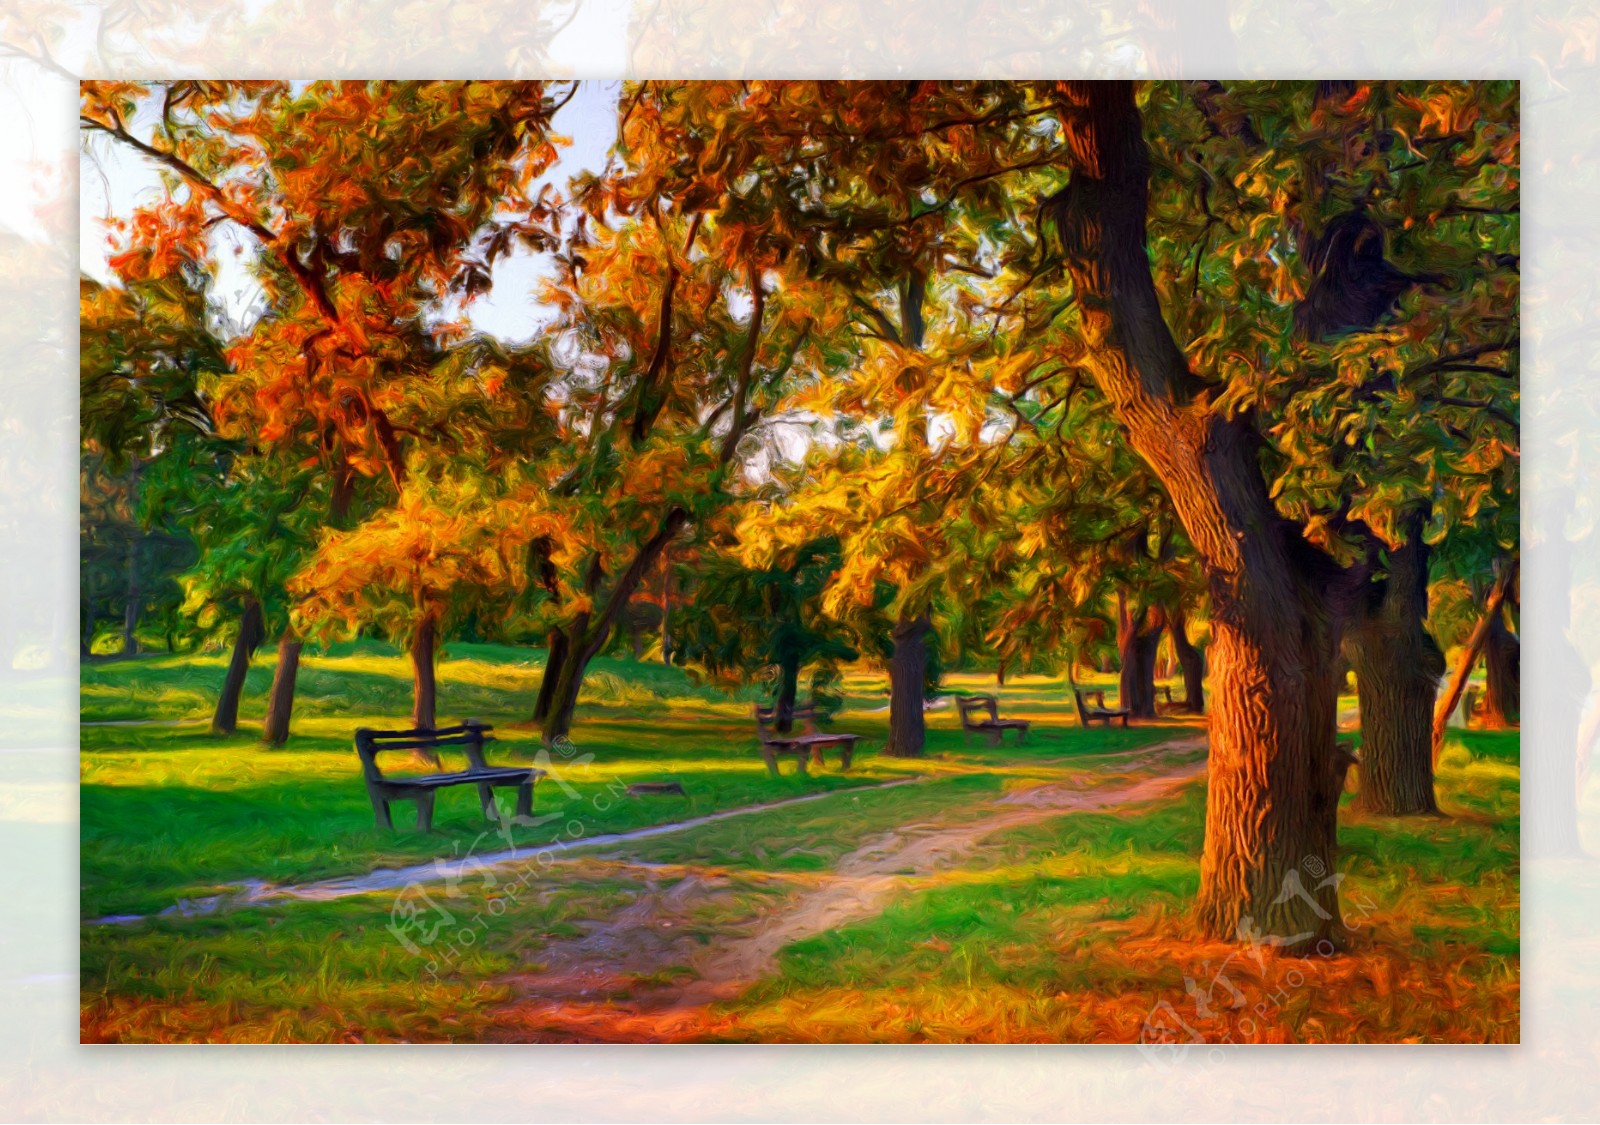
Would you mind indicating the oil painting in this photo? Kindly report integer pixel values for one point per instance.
(800, 561)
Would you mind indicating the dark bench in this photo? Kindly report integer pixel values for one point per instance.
(992, 725)
(469, 737)
(805, 743)
(1097, 711)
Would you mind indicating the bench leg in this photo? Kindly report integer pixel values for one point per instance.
(525, 800)
(380, 808)
(846, 752)
(997, 737)
(486, 799)
(800, 764)
(425, 812)
(770, 756)
(817, 759)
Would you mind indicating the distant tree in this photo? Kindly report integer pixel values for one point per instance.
(751, 622)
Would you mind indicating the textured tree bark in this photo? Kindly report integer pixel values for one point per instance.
(225, 719)
(1191, 662)
(1502, 666)
(908, 672)
(1397, 667)
(1470, 651)
(1275, 768)
(555, 656)
(1138, 637)
(424, 688)
(280, 703)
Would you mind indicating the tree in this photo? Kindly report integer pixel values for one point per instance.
(414, 570)
(684, 321)
(750, 622)
(1268, 523)
(143, 352)
(365, 206)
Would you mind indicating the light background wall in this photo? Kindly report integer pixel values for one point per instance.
(44, 46)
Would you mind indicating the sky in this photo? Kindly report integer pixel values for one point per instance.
(115, 181)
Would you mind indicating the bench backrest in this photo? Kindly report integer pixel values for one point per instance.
(968, 704)
(1083, 712)
(1078, 696)
(804, 716)
(469, 736)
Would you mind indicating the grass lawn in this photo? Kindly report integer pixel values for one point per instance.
(1068, 927)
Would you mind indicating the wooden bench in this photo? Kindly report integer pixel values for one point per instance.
(1097, 711)
(805, 743)
(469, 737)
(992, 725)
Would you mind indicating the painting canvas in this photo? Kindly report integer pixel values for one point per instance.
(755, 561)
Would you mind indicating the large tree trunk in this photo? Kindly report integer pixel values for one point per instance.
(225, 720)
(280, 704)
(1502, 665)
(1275, 769)
(908, 673)
(1397, 667)
(424, 687)
(1138, 637)
(1191, 662)
(1470, 651)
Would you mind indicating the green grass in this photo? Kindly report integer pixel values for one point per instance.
(1070, 928)
(173, 813)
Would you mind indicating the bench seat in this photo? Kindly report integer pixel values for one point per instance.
(968, 706)
(420, 789)
(805, 744)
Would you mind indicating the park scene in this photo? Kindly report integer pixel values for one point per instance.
(792, 562)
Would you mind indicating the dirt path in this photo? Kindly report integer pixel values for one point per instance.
(649, 973)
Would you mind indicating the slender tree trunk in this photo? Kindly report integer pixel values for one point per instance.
(666, 607)
(1138, 637)
(587, 635)
(788, 688)
(569, 681)
(131, 607)
(1502, 665)
(1451, 698)
(1275, 768)
(130, 612)
(908, 673)
(1397, 667)
(225, 720)
(1191, 662)
(555, 656)
(424, 687)
(280, 704)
